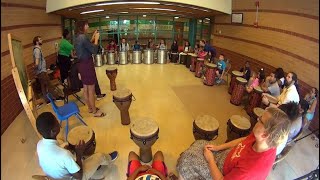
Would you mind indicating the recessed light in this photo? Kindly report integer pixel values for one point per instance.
(107, 17)
(87, 12)
(130, 2)
(144, 15)
(200, 20)
(207, 19)
(123, 12)
(176, 17)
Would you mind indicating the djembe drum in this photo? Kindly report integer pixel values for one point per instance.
(234, 75)
(238, 91)
(112, 74)
(123, 98)
(257, 112)
(188, 60)
(254, 100)
(174, 57)
(238, 126)
(183, 58)
(210, 74)
(82, 133)
(205, 127)
(271, 99)
(199, 65)
(144, 133)
(193, 62)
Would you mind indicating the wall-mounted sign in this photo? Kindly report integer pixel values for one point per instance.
(237, 18)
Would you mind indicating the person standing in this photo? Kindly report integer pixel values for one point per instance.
(65, 53)
(211, 51)
(85, 49)
(40, 67)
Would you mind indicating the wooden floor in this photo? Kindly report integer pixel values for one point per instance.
(169, 94)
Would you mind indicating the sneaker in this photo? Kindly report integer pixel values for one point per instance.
(60, 98)
(114, 155)
(100, 96)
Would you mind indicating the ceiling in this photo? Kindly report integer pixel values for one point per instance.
(162, 9)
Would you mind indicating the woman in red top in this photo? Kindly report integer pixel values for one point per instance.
(112, 47)
(249, 157)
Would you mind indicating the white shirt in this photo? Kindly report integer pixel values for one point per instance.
(290, 94)
(56, 162)
(124, 47)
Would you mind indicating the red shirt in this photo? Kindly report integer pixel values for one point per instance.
(243, 162)
(111, 47)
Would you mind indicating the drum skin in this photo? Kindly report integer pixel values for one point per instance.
(238, 91)
(257, 111)
(112, 74)
(90, 142)
(205, 127)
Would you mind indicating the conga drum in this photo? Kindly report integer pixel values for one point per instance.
(82, 133)
(123, 57)
(238, 91)
(112, 74)
(123, 98)
(205, 127)
(144, 133)
(234, 75)
(193, 62)
(257, 112)
(199, 65)
(210, 74)
(174, 57)
(255, 100)
(183, 58)
(111, 58)
(238, 126)
(188, 60)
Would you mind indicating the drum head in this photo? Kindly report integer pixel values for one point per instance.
(207, 123)
(112, 68)
(122, 93)
(240, 122)
(200, 59)
(272, 99)
(79, 133)
(211, 65)
(258, 89)
(237, 73)
(183, 54)
(240, 79)
(258, 111)
(192, 54)
(144, 127)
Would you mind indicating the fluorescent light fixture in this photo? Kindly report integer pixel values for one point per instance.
(141, 8)
(187, 7)
(123, 12)
(107, 17)
(160, 9)
(87, 12)
(130, 2)
(144, 15)
(176, 17)
(207, 19)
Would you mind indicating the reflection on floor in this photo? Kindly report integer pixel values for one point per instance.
(169, 94)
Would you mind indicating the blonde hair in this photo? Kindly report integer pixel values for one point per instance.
(277, 127)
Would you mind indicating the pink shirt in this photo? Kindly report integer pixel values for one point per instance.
(255, 83)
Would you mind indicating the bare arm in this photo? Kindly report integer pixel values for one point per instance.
(231, 144)
(312, 107)
(79, 174)
(214, 171)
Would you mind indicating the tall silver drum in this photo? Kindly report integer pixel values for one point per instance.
(162, 56)
(98, 60)
(111, 58)
(148, 56)
(105, 58)
(123, 57)
(136, 57)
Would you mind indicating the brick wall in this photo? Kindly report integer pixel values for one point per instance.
(24, 19)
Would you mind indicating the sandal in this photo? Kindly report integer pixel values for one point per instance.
(172, 176)
(101, 115)
(92, 111)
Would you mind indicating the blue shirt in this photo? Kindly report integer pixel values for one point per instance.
(37, 54)
(136, 47)
(208, 48)
(221, 65)
(84, 48)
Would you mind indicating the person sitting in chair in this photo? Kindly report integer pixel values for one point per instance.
(221, 67)
(137, 171)
(58, 162)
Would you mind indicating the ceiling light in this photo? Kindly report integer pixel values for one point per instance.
(123, 12)
(160, 9)
(87, 12)
(141, 8)
(117, 3)
(207, 19)
(176, 17)
(107, 17)
(200, 20)
(144, 15)
(187, 7)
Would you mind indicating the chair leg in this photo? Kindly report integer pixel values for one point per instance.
(67, 129)
(81, 119)
(79, 99)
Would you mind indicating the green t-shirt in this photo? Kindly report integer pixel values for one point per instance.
(65, 47)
